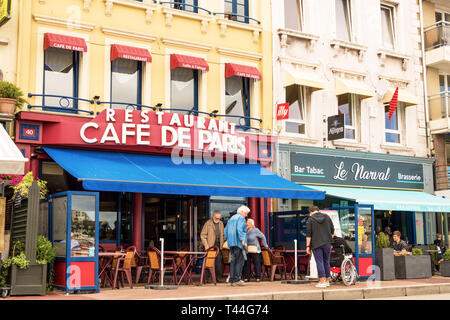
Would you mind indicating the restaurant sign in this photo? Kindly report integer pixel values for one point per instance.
(346, 171)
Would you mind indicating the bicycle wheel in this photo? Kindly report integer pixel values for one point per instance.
(347, 272)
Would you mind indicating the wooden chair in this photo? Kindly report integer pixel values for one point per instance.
(209, 259)
(123, 265)
(273, 262)
(154, 265)
(225, 259)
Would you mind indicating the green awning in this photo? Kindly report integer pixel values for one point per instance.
(395, 200)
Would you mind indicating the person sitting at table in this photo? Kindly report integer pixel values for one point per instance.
(254, 251)
(398, 244)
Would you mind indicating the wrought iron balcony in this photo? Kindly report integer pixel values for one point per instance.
(234, 17)
(66, 104)
(185, 6)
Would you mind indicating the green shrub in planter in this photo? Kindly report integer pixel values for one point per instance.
(10, 91)
(382, 241)
(444, 266)
(416, 252)
(447, 255)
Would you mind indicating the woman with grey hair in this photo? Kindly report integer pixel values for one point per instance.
(254, 251)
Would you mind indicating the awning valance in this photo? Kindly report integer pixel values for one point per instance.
(130, 53)
(358, 87)
(240, 70)
(126, 172)
(64, 42)
(189, 62)
(395, 200)
(11, 159)
(403, 96)
(302, 79)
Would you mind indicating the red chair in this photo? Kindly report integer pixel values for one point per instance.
(137, 263)
(209, 259)
(124, 266)
(154, 265)
(273, 262)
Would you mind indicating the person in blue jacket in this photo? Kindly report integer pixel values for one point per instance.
(236, 234)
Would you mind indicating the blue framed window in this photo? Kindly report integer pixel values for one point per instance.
(238, 7)
(186, 5)
(126, 83)
(184, 89)
(237, 100)
(61, 72)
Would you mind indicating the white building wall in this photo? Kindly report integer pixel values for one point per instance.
(362, 58)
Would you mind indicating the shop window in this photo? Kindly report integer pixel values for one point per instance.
(186, 5)
(126, 217)
(108, 216)
(184, 89)
(237, 100)
(239, 8)
(296, 96)
(293, 14)
(343, 20)
(388, 26)
(126, 82)
(83, 226)
(61, 79)
(393, 126)
(58, 180)
(348, 104)
(226, 205)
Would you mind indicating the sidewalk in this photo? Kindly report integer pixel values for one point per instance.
(265, 291)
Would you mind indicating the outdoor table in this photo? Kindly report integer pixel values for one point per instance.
(299, 253)
(183, 266)
(107, 260)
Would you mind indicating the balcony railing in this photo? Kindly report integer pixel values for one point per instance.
(234, 17)
(185, 6)
(66, 104)
(441, 102)
(437, 35)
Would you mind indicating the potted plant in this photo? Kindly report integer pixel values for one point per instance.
(18, 259)
(11, 97)
(384, 257)
(22, 188)
(413, 265)
(444, 267)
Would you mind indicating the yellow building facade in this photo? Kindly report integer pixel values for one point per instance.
(198, 29)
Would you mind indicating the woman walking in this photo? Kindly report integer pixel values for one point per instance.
(254, 251)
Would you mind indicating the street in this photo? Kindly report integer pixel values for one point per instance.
(445, 296)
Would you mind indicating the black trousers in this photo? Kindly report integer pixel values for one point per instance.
(256, 259)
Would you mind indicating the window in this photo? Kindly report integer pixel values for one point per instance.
(226, 205)
(347, 105)
(126, 80)
(442, 16)
(108, 216)
(60, 78)
(444, 89)
(293, 14)
(343, 20)
(296, 97)
(237, 100)
(239, 8)
(186, 5)
(184, 89)
(388, 27)
(392, 127)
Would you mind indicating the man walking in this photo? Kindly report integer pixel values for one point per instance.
(236, 234)
(319, 236)
(212, 235)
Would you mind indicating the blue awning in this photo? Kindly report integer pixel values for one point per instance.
(395, 200)
(126, 172)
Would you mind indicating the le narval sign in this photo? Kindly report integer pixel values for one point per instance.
(345, 171)
(163, 129)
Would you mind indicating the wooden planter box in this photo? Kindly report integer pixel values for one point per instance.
(30, 281)
(412, 267)
(444, 268)
(384, 259)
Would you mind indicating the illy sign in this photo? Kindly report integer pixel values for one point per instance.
(283, 111)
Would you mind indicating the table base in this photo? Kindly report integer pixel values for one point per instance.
(159, 287)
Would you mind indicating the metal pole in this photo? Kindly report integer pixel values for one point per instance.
(295, 253)
(161, 276)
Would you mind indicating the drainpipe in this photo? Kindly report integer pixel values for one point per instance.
(425, 84)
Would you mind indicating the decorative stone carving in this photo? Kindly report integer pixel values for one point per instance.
(108, 7)
(87, 3)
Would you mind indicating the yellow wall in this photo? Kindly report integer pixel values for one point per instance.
(8, 45)
(428, 14)
(38, 17)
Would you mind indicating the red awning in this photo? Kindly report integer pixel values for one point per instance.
(232, 69)
(130, 53)
(178, 60)
(64, 42)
